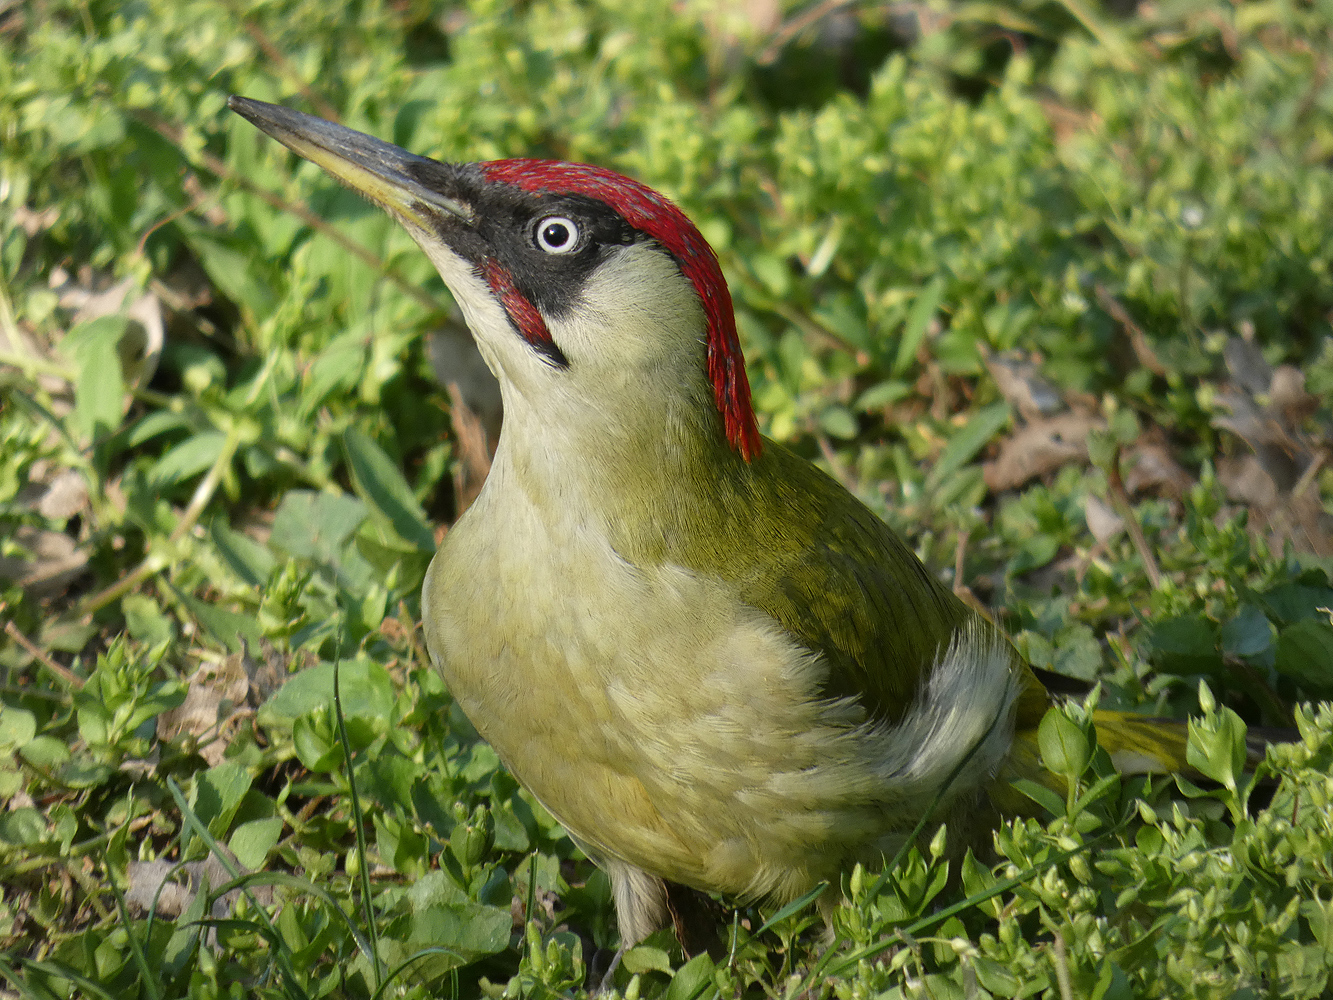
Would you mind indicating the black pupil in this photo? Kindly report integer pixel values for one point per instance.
(555, 235)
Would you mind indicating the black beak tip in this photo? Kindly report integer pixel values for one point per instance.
(243, 106)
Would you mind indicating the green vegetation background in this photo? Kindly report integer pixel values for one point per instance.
(1046, 283)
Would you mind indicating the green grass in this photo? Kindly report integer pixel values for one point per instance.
(1048, 286)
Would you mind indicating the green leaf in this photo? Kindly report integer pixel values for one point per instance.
(644, 958)
(17, 727)
(250, 561)
(45, 752)
(1186, 644)
(145, 620)
(338, 366)
(232, 629)
(187, 459)
(367, 692)
(380, 484)
(1217, 746)
(838, 422)
(315, 525)
(154, 423)
(967, 442)
(22, 826)
(1065, 748)
(217, 794)
(252, 841)
(232, 269)
(995, 977)
(161, 696)
(389, 779)
(1112, 983)
(84, 773)
(691, 979)
(99, 393)
(918, 323)
(440, 914)
(1293, 602)
(881, 395)
(1305, 654)
(314, 745)
(977, 878)
(1248, 634)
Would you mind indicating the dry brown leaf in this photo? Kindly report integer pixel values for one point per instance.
(1247, 481)
(271, 670)
(141, 348)
(52, 560)
(476, 410)
(146, 878)
(216, 691)
(1041, 447)
(1138, 340)
(1152, 467)
(1020, 381)
(1103, 523)
(1286, 394)
(1279, 517)
(1246, 364)
(65, 496)
(474, 451)
(1282, 456)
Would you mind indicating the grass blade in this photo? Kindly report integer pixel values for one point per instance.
(359, 824)
(146, 975)
(290, 982)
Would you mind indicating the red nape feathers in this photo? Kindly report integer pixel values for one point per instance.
(650, 213)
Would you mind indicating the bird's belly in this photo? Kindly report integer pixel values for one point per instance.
(659, 719)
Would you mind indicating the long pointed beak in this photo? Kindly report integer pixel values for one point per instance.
(379, 170)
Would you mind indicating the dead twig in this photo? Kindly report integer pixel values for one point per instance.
(474, 452)
(284, 65)
(793, 27)
(1138, 340)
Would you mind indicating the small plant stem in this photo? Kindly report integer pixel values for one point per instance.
(31, 365)
(1061, 962)
(90, 888)
(64, 673)
(8, 324)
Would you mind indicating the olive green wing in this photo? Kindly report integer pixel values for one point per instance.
(850, 589)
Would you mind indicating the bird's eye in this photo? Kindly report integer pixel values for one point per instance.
(556, 234)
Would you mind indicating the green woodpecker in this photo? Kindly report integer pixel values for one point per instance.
(709, 661)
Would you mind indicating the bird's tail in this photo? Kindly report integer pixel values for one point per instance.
(1137, 744)
(1142, 744)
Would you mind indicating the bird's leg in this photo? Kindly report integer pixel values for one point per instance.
(641, 908)
(608, 979)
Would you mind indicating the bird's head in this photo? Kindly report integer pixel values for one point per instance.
(587, 292)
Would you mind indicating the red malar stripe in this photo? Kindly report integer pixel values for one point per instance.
(522, 313)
